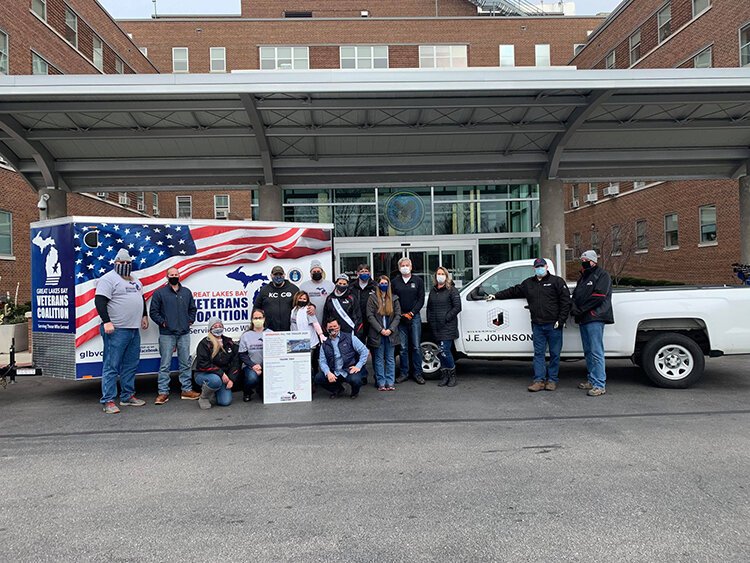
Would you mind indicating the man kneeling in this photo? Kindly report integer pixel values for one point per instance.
(342, 360)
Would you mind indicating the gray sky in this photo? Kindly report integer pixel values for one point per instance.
(145, 8)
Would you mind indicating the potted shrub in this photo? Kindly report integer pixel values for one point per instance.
(13, 324)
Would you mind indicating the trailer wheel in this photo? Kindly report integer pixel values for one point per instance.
(430, 360)
(673, 360)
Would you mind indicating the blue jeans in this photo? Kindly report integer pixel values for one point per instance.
(167, 345)
(384, 363)
(353, 379)
(545, 335)
(122, 350)
(213, 380)
(592, 336)
(253, 381)
(411, 342)
(445, 354)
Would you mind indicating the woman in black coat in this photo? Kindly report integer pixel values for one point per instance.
(443, 307)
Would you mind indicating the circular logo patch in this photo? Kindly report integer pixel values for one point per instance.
(404, 211)
(295, 275)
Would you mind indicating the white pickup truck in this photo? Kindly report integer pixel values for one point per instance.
(668, 331)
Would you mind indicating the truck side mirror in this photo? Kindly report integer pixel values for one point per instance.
(477, 294)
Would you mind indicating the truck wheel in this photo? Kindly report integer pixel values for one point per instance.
(430, 360)
(673, 360)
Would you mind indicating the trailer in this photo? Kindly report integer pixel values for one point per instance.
(224, 263)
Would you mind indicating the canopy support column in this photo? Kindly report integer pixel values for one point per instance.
(552, 222)
(269, 203)
(745, 216)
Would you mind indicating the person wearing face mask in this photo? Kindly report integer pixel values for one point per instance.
(342, 360)
(275, 299)
(173, 310)
(343, 306)
(302, 320)
(120, 304)
(443, 307)
(363, 287)
(383, 317)
(251, 355)
(217, 366)
(318, 288)
(592, 309)
(549, 302)
(410, 291)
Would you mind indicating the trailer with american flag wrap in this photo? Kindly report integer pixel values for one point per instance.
(224, 263)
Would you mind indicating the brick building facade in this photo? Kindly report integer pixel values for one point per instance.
(677, 231)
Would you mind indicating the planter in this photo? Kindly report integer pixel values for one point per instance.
(19, 332)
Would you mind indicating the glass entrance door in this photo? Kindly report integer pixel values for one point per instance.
(385, 261)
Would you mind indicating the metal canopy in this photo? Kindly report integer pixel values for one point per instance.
(325, 128)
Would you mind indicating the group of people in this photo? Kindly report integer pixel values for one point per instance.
(347, 321)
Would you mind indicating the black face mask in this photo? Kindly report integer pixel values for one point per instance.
(587, 265)
(317, 276)
(123, 268)
(173, 280)
(302, 303)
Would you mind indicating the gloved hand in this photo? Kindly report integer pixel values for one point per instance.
(489, 297)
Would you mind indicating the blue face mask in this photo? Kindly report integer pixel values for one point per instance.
(364, 277)
(278, 280)
(383, 287)
(541, 272)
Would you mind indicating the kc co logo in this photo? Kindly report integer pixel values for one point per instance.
(497, 319)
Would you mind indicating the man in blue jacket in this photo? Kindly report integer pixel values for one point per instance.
(342, 360)
(173, 310)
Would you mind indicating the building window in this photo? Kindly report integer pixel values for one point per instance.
(221, 207)
(180, 59)
(6, 233)
(671, 238)
(442, 56)
(284, 58)
(39, 7)
(119, 66)
(140, 201)
(298, 14)
(664, 22)
(616, 240)
(98, 55)
(184, 207)
(155, 204)
(123, 198)
(610, 61)
(639, 185)
(577, 48)
(507, 55)
(38, 64)
(700, 6)
(577, 251)
(71, 27)
(542, 55)
(3, 53)
(745, 46)
(703, 59)
(708, 223)
(594, 240)
(641, 240)
(635, 47)
(364, 56)
(218, 57)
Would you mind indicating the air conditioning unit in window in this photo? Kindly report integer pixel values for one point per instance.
(101, 194)
(155, 213)
(591, 198)
(222, 214)
(575, 204)
(612, 189)
(141, 206)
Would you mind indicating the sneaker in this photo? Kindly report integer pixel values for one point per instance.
(132, 402)
(419, 379)
(401, 378)
(190, 395)
(536, 386)
(550, 386)
(110, 408)
(247, 397)
(596, 392)
(161, 399)
(585, 385)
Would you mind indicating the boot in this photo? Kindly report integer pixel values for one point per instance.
(452, 377)
(206, 398)
(445, 378)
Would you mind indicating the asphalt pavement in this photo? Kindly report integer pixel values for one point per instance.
(485, 471)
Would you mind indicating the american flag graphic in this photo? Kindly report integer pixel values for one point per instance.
(158, 247)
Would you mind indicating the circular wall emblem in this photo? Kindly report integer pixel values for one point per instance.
(295, 275)
(404, 211)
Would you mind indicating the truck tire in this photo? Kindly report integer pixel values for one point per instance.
(430, 360)
(673, 360)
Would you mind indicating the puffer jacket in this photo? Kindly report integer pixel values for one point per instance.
(443, 307)
(226, 361)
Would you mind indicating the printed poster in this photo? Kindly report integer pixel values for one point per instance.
(286, 367)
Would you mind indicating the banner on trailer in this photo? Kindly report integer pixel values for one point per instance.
(223, 265)
(286, 368)
(52, 281)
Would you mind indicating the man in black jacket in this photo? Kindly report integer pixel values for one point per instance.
(362, 288)
(592, 309)
(410, 291)
(275, 300)
(549, 304)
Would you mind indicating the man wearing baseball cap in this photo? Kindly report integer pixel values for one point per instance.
(275, 300)
(592, 309)
(549, 304)
(318, 288)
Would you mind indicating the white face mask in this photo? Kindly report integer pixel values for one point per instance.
(405, 270)
(440, 278)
